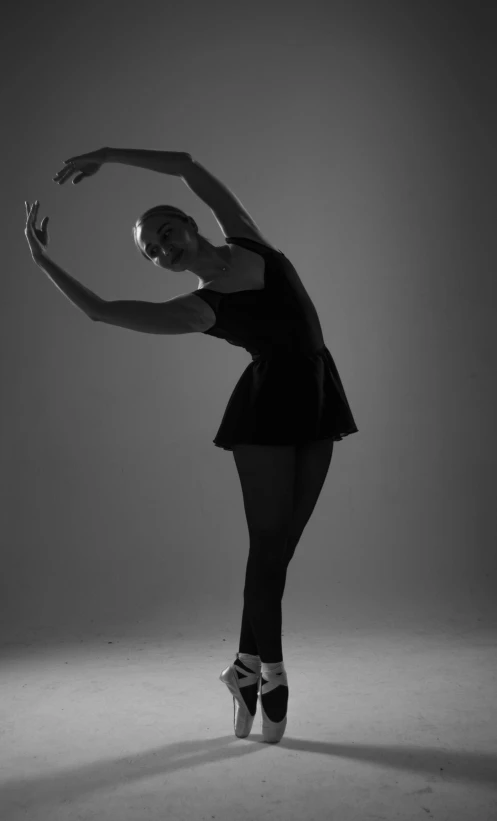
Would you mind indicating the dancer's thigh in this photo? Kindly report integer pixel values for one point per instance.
(267, 477)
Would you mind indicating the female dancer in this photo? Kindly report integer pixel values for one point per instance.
(285, 412)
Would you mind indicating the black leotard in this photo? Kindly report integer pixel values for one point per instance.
(291, 392)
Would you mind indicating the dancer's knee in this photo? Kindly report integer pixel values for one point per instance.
(268, 546)
(265, 576)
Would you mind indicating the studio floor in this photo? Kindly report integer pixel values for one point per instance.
(390, 726)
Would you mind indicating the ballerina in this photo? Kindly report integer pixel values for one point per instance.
(285, 413)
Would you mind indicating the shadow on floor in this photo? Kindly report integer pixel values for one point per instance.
(69, 784)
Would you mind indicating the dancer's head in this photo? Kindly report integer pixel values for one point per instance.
(163, 232)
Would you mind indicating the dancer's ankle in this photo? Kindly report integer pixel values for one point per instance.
(272, 667)
(249, 660)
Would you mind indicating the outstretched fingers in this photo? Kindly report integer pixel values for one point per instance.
(31, 209)
(64, 174)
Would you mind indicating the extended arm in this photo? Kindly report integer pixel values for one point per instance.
(165, 162)
(231, 215)
(183, 314)
(78, 294)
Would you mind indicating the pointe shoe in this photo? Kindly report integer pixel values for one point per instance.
(242, 719)
(272, 731)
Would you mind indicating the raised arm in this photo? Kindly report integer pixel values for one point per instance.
(233, 218)
(165, 162)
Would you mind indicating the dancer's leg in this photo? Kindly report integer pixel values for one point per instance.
(267, 475)
(264, 477)
(311, 468)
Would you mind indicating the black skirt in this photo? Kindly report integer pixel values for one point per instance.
(287, 400)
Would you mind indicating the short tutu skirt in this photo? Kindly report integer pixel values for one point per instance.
(287, 399)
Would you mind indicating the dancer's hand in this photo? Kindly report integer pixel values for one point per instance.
(37, 237)
(87, 164)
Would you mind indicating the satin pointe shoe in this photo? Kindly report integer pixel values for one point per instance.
(272, 731)
(242, 718)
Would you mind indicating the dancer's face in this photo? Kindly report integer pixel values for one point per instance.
(163, 236)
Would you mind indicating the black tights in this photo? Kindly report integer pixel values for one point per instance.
(262, 613)
(281, 486)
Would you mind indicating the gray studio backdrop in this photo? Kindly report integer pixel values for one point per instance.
(361, 138)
